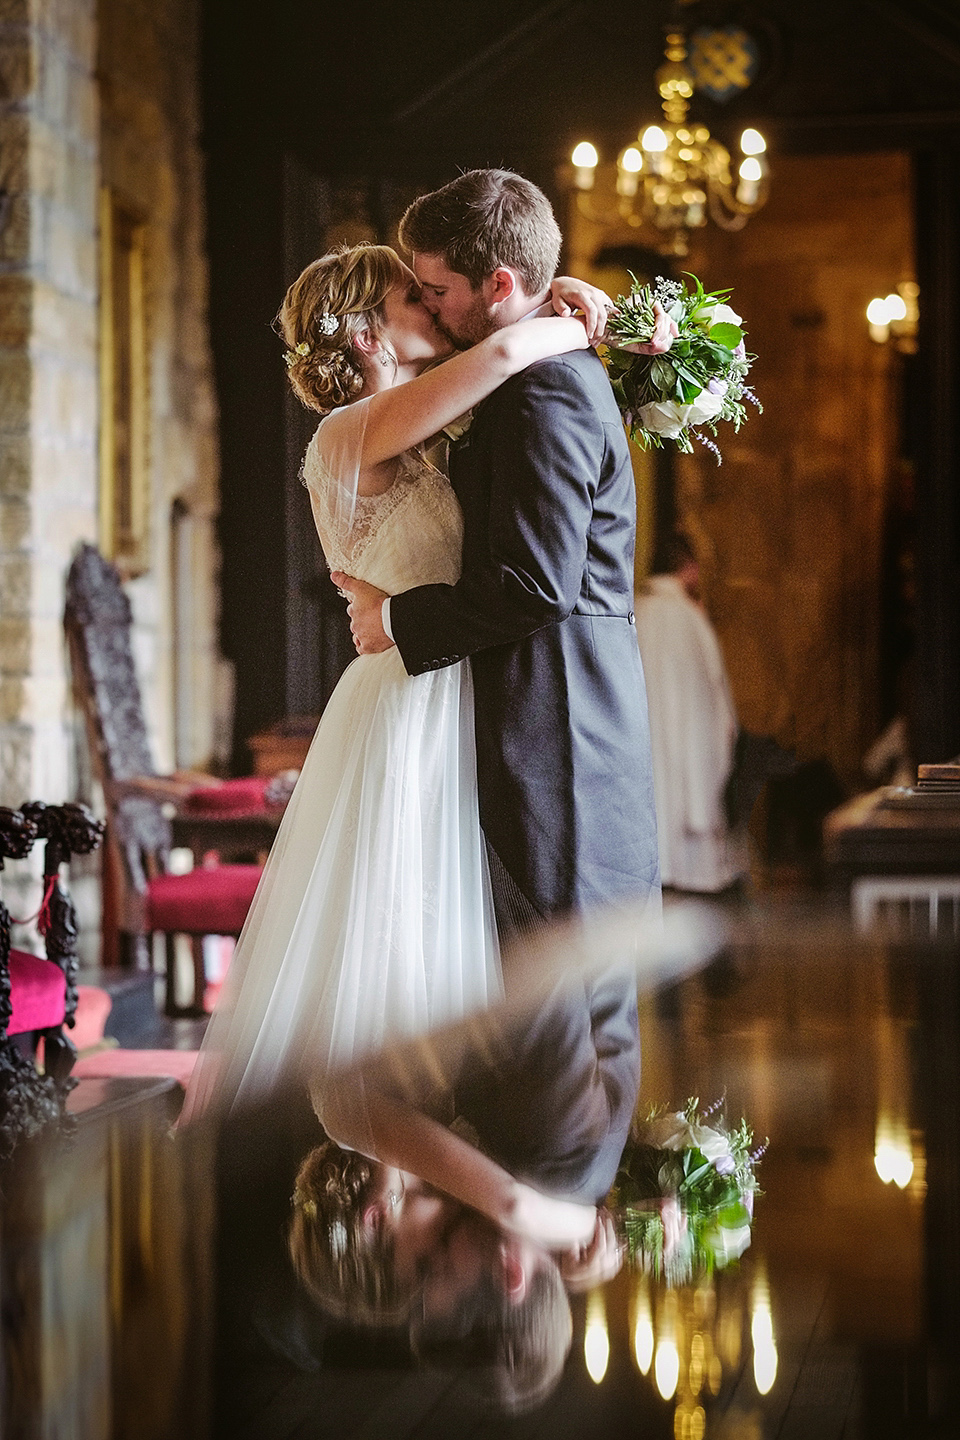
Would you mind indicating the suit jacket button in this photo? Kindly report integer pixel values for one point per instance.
(630, 617)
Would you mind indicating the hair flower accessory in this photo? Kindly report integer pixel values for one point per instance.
(292, 356)
(328, 324)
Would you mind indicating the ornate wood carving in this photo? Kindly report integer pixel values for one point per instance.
(30, 1102)
(98, 619)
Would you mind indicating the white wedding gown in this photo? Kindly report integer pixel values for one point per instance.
(373, 918)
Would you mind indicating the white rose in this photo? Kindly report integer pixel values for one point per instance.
(705, 407)
(674, 1132)
(716, 314)
(664, 417)
(728, 1245)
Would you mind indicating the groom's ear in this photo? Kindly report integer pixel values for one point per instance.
(501, 285)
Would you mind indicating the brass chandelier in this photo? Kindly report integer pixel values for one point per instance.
(676, 174)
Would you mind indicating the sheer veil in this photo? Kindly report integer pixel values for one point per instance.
(331, 473)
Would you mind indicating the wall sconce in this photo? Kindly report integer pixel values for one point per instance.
(894, 317)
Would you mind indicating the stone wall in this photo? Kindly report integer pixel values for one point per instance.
(48, 372)
(93, 95)
(150, 158)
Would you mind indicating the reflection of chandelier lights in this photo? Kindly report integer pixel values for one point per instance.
(675, 175)
(765, 1357)
(685, 1338)
(596, 1341)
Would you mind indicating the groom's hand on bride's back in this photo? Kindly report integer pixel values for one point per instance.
(366, 613)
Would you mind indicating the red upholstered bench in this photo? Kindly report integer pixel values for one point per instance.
(38, 993)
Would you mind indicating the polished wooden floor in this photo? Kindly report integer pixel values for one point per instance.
(842, 1318)
(147, 1291)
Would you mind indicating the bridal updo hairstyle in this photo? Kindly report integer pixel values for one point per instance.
(485, 219)
(346, 1267)
(348, 286)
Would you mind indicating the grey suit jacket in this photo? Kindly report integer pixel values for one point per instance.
(544, 608)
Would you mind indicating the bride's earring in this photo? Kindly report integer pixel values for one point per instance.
(384, 358)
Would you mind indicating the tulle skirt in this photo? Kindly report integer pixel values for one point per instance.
(373, 918)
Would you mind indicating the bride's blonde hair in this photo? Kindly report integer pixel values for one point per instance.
(345, 1267)
(325, 309)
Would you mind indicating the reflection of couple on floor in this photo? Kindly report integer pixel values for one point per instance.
(496, 1147)
(488, 768)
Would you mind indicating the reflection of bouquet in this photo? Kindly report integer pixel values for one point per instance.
(698, 382)
(685, 1192)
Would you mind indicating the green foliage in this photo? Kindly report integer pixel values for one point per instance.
(701, 352)
(680, 1212)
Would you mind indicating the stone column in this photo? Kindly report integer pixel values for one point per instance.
(48, 375)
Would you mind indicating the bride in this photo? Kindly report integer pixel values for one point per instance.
(373, 918)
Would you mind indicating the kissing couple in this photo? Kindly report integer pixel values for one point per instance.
(483, 766)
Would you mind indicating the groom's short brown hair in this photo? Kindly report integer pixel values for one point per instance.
(485, 219)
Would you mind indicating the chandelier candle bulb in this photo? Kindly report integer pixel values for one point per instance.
(752, 142)
(750, 176)
(584, 160)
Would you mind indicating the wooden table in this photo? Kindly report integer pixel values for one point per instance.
(893, 831)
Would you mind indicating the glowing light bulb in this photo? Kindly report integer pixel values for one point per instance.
(654, 139)
(751, 173)
(877, 312)
(585, 156)
(584, 160)
(752, 142)
(903, 1168)
(631, 159)
(896, 307)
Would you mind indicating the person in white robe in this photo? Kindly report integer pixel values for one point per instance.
(693, 728)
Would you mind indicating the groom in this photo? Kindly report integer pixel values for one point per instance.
(544, 606)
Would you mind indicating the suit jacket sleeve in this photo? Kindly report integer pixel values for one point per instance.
(541, 446)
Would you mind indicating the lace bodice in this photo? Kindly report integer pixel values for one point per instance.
(410, 535)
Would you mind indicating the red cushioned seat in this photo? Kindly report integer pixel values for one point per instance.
(232, 797)
(38, 989)
(204, 902)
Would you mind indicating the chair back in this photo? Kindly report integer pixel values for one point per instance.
(98, 620)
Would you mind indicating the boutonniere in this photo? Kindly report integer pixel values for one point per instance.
(459, 427)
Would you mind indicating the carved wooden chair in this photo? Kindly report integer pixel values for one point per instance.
(98, 620)
(38, 997)
(141, 896)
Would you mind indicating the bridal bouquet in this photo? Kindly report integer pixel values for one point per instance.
(701, 379)
(685, 1192)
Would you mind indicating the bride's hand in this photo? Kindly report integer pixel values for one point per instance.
(664, 333)
(366, 613)
(585, 1266)
(555, 1224)
(568, 294)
